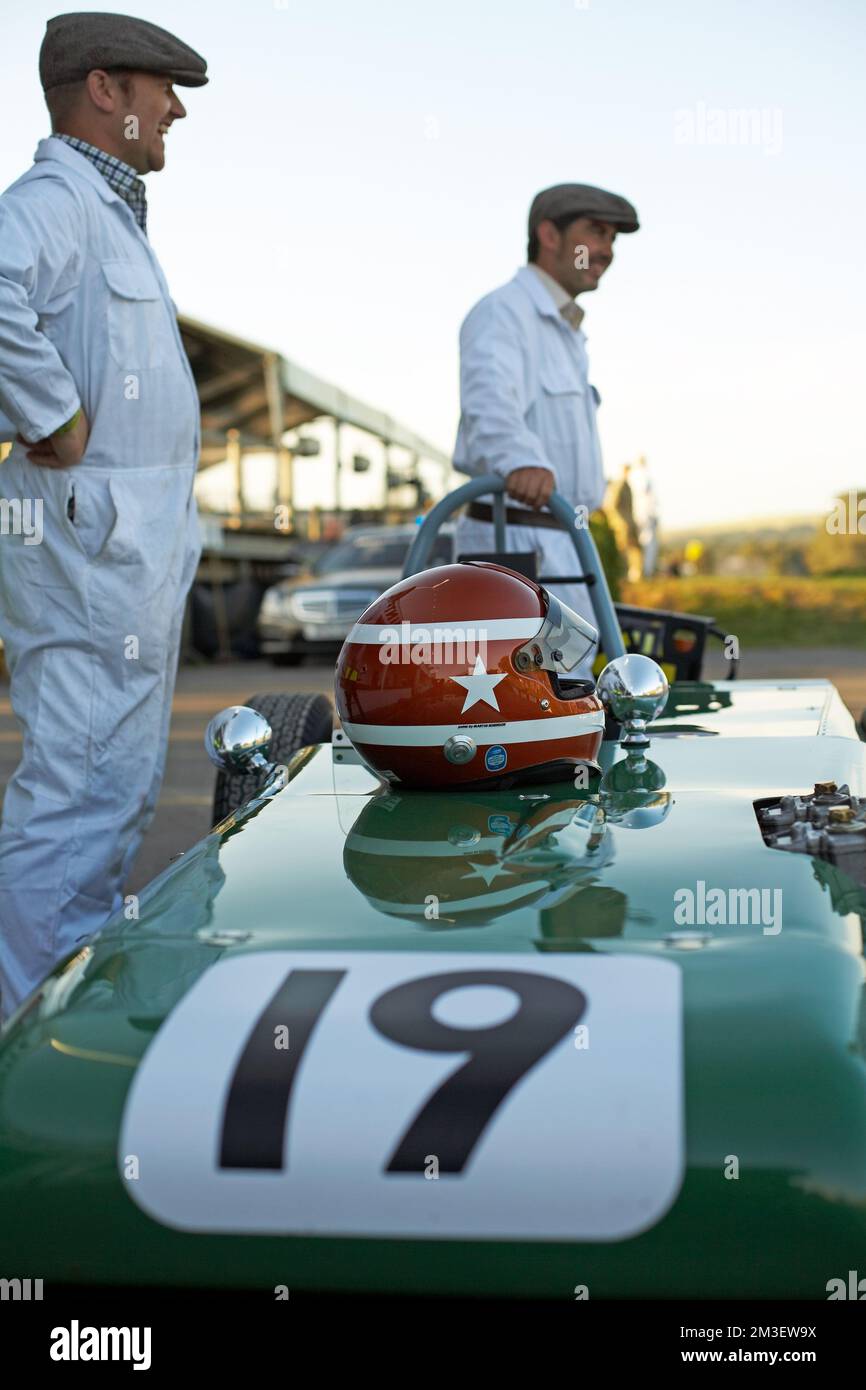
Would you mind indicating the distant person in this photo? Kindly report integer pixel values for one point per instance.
(94, 377)
(619, 508)
(645, 508)
(527, 407)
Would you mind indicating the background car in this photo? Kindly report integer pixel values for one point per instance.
(312, 615)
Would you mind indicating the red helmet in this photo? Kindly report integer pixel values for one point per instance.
(459, 677)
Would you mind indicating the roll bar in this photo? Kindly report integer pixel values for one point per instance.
(587, 554)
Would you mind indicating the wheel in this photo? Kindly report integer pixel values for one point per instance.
(296, 721)
(286, 659)
(239, 602)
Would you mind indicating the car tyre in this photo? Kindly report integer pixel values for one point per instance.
(296, 721)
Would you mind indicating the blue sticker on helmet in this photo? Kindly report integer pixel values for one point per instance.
(495, 758)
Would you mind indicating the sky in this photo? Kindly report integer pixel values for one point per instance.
(356, 175)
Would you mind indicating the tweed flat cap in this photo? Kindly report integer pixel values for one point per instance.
(75, 44)
(582, 200)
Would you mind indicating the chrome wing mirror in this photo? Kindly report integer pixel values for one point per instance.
(635, 690)
(237, 740)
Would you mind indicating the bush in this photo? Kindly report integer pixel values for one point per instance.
(612, 562)
(779, 612)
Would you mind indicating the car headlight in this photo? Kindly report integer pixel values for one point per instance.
(275, 604)
(314, 605)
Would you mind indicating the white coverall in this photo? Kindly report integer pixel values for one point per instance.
(91, 616)
(526, 402)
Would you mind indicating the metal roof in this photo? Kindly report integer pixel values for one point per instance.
(261, 394)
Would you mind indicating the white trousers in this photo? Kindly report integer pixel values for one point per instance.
(90, 618)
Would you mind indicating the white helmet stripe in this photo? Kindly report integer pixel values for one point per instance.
(421, 849)
(470, 630)
(518, 731)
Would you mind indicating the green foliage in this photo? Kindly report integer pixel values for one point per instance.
(776, 612)
(612, 562)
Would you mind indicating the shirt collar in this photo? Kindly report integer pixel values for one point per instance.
(120, 177)
(568, 307)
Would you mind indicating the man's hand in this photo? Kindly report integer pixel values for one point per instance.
(531, 486)
(60, 450)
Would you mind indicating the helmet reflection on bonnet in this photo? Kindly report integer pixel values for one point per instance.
(459, 677)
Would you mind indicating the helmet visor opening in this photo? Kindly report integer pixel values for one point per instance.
(563, 641)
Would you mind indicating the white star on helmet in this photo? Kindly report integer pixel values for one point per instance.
(487, 871)
(479, 687)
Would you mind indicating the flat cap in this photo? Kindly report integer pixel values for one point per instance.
(582, 200)
(75, 44)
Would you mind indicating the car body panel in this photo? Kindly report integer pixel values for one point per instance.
(773, 1027)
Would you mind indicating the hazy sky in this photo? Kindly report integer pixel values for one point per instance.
(356, 175)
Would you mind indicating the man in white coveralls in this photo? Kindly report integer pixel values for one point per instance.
(527, 407)
(98, 391)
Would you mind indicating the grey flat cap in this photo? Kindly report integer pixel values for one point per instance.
(582, 200)
(75, 44)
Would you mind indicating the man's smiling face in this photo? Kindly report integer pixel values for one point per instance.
(590, 242)
(154, 102)
(583, 253)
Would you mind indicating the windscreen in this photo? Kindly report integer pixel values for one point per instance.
(382, 551)
(564, 640)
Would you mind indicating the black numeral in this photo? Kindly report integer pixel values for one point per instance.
(454, 1118)
(256, 1112)
(450, 1124)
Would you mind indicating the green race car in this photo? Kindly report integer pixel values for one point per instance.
(599, 1041)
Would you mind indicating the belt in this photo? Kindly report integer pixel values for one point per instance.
(514, 516)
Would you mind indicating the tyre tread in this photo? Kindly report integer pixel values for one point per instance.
(296, 721)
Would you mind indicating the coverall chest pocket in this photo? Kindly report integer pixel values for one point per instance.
(89, 508)
(138, 328)
(561, 402)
